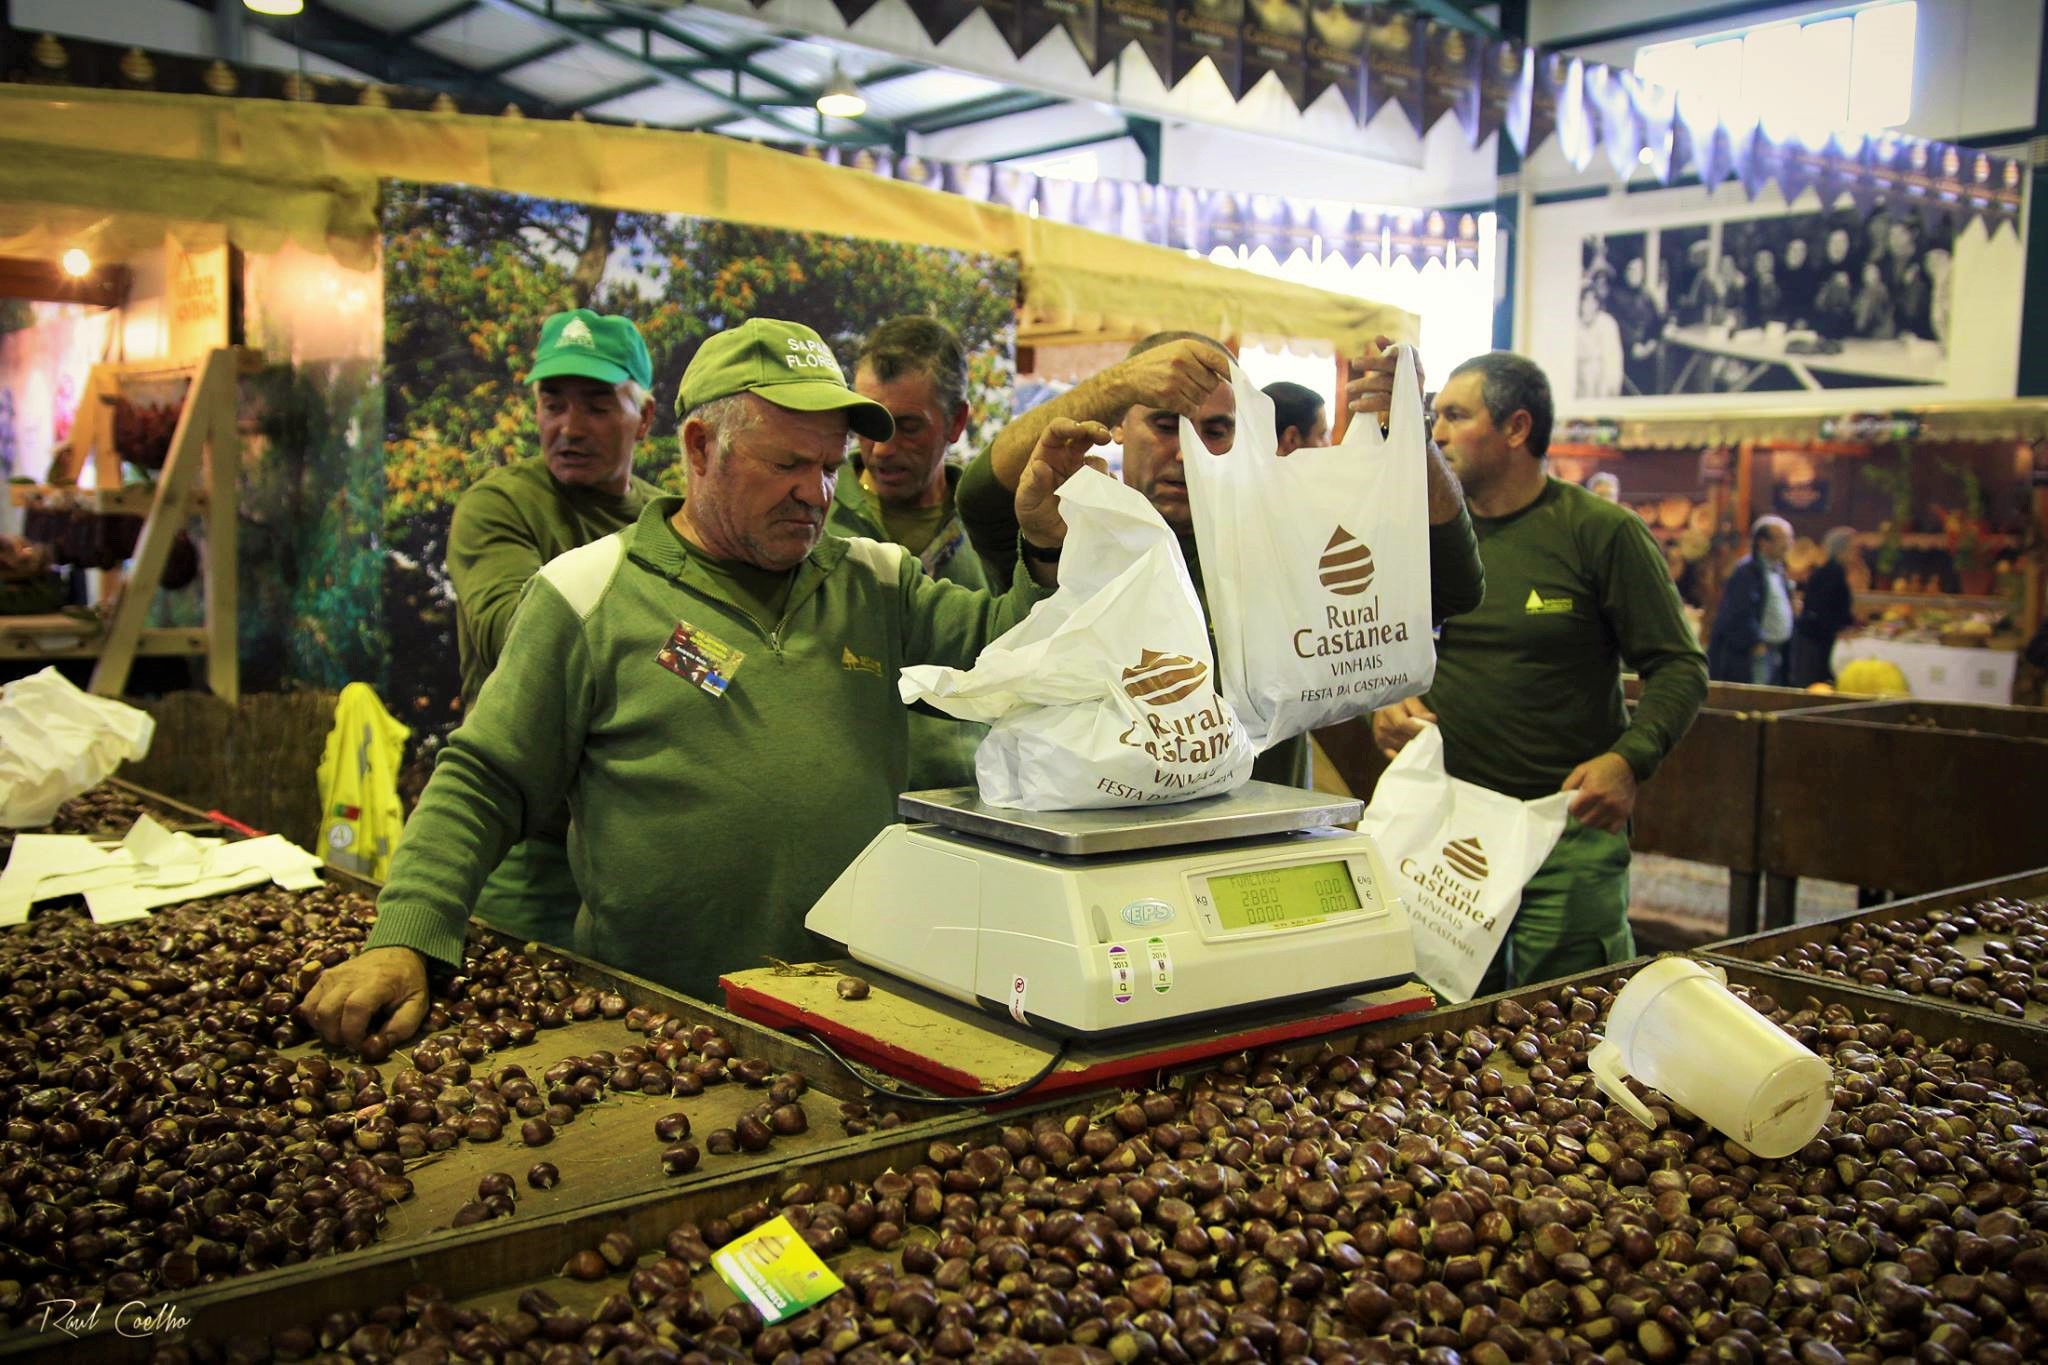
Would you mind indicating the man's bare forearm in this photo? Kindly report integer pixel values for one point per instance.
(1100, 398)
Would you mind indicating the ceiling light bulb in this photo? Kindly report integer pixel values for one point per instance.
(76, 263)
(280, 8)
(841, 98)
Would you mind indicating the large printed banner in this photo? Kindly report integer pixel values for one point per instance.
(1678, 297)
(469, 275)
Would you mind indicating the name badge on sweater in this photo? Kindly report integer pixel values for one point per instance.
(695, 655)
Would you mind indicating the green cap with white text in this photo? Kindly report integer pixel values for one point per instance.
(587, 345)
(786, 363)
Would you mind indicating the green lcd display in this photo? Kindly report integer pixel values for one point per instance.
(1275, 897)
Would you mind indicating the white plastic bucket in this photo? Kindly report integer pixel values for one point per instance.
(1676, 1027)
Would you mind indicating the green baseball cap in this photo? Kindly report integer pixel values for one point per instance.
(591, 345)
(786, 363)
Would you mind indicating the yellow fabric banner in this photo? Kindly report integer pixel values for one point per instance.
(268, 172)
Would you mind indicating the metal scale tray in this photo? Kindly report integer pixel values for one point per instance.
(1255, 810)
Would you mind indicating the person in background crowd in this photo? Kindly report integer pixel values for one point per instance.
(1641, 321)
(1754, 619)
(718, 671)
(593, 400)
(1605, 485)
(1797, 285)
(1834, 303)
(1299, 416)
(1940, 293)
(1142, 400)
(1599, 352)
(1527, 692)
(1766, 295)
(1906, 279)
(1874, 316)
(1826, 609)
(1716, 299)
(901, 491)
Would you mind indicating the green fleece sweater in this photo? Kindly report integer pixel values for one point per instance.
(1529, 686)
(941, 748)
(1456, 583)
(509, 523)
(705, 825)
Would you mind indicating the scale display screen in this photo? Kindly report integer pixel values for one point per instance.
(1276, 897)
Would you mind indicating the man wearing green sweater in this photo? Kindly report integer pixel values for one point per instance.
(714, 691)
(592, 400)
(1142, 399)
(902, 491)
(1528, 687)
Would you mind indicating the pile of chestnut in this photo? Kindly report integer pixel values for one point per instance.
(1430, 1201)
(1919, 956)
(161, 1127)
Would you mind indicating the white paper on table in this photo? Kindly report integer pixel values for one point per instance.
(152, 867)
(37, 857)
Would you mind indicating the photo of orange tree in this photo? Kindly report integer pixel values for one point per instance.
(468, 277)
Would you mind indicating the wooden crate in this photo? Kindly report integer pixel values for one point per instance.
(1855, 795)
(255, 759)
(488, 1266)
(1755, 948)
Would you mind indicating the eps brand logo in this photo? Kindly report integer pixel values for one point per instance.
(1346, 566)
(1466, 858)
(1159, 679)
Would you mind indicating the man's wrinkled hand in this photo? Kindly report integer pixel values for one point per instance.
(1179, 375)
(381, 992)
(1372, 393)
(1606, 788)
(1060, 453)
(1393, 726)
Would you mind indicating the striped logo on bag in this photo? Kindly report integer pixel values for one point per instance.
(1162, 679)
(1346, 565)
(1466, 858)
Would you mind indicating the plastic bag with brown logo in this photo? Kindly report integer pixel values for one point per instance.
(1460, 856)
(1105, 695)
(1316, 565)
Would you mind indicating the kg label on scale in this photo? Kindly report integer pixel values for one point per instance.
(1120, 977)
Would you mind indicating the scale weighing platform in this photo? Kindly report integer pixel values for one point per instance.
(1090, 922)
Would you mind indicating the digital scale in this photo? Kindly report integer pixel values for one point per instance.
(1099, 921)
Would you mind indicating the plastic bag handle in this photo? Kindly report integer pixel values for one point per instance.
(1606, 1065)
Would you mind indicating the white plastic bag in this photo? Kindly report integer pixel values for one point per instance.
(1460, 856)
(57, 742)
(1316, 564)
(1105, 694)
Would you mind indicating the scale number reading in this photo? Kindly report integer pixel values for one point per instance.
(1276, 897)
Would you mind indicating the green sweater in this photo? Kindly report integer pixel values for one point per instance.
(705, 826)
(941, 748)
(1529, 686)
(1456, 583)
(510, 522)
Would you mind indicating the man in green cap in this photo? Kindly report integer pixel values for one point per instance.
(901, 490)
(592, 387)
(714, 691)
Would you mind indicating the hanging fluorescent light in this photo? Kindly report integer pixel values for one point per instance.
(280, 8)
(841, 98)
(76, 263)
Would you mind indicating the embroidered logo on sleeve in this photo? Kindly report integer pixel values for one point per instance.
(699, 657)
(1539, 605)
